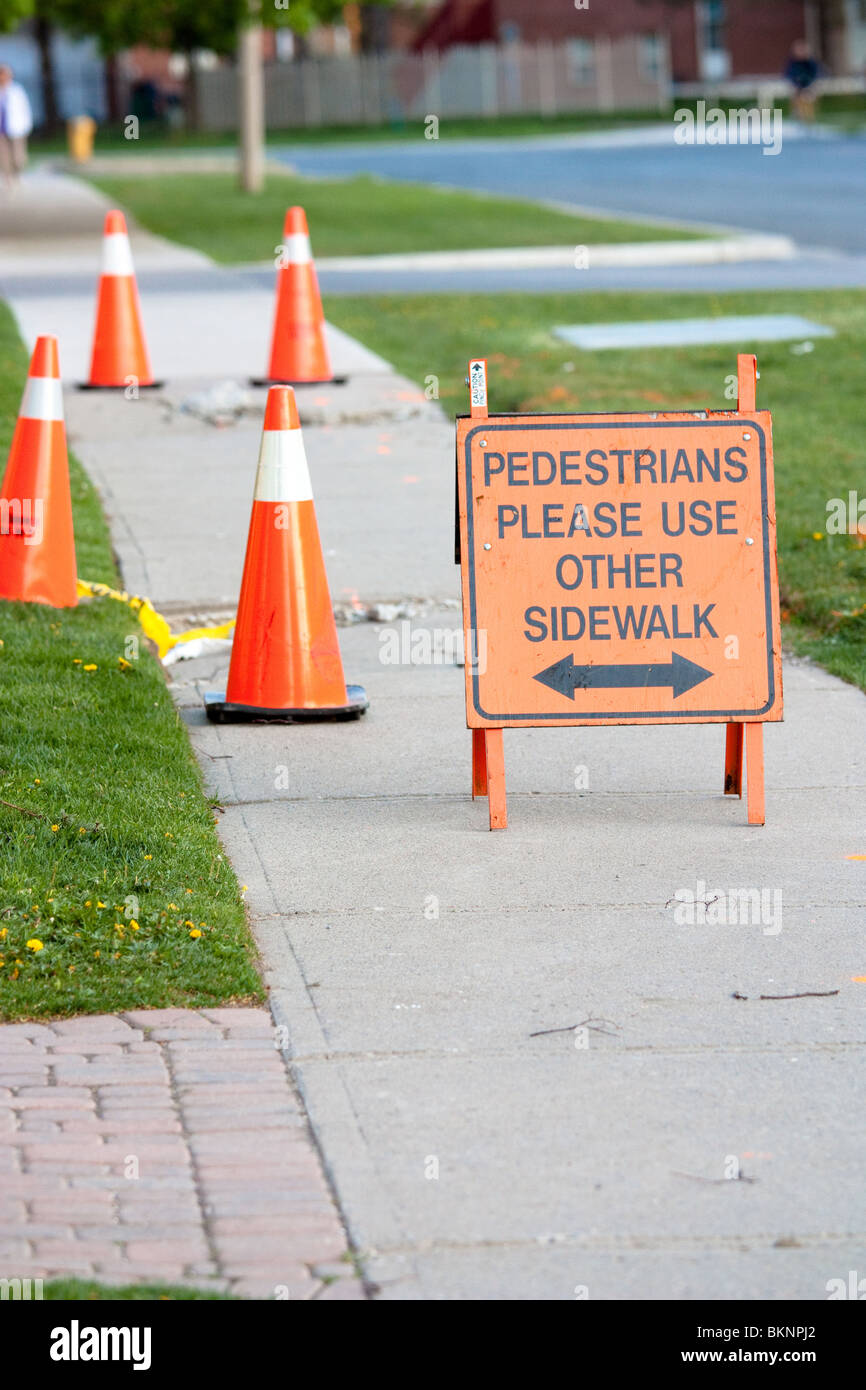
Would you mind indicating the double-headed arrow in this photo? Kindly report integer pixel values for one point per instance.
(679, 673)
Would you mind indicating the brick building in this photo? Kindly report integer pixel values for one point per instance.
(709, 39)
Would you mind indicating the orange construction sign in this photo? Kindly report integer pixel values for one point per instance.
(619, 568)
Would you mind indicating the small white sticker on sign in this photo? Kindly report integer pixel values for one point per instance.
(477, 384)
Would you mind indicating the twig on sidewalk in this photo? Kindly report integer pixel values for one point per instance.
(804, 994)
(595, 1025)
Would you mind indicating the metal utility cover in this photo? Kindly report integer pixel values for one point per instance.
(592, 337)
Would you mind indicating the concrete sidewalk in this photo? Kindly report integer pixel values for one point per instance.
(527, 1077)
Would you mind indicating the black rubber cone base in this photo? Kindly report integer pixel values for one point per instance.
(140, 386)
(220, 712)
(284, 381)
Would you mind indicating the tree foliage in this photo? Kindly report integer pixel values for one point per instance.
(177, 25)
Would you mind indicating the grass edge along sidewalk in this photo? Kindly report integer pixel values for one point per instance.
(355, 216)
(115, 892)
(816, 396)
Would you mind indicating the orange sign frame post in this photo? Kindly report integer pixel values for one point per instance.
(619, 569)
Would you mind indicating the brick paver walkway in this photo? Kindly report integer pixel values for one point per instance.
(163, 1145)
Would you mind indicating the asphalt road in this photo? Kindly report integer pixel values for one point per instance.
(812, 190)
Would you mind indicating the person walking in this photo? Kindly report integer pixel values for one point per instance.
(803, 72)
(16, 123)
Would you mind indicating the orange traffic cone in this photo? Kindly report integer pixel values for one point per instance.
(285, 661)
(37, 546)
(299, 353)
(119, 357)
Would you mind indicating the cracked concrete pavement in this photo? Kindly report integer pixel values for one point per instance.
(411, 954)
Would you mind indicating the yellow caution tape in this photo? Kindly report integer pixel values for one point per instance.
(153, 624)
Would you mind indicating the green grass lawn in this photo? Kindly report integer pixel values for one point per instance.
(847, 112)
(155, 136)
(817, 400)
(109, 849)
(89, 1291)
(358, 216)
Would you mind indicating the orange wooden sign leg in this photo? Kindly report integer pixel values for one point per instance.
(479, 764)
(755, 773)
(734, 760)
(495, 759)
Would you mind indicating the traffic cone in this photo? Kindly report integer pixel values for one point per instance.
(285, 661)
(299, 353)
(37, 545)
(119, 357)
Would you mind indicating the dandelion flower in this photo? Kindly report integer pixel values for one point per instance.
(55, 827)
(91, 666)
(195, 933)
(99, 904)
(88, 903)
(172, 907)
(34, 944)
(148, 856)
(817, 535)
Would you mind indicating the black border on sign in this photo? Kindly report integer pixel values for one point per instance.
(630, 716)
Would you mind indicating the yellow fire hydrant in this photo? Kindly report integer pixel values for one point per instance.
(80, 131)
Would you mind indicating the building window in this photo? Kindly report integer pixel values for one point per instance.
(712, 19)
(652, 64)
(581, 62)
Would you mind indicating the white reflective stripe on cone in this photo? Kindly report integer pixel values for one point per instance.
(42, 399)
(283, 475)
(116, 255)
(298, 250)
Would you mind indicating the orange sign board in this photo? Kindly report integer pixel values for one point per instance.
(619, 568)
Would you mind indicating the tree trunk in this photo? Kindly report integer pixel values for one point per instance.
(375, 24)
(251, 110)
(112, 89)
(43, 30)
(191, 94)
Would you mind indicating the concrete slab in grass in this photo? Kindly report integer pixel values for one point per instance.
(728, 328)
